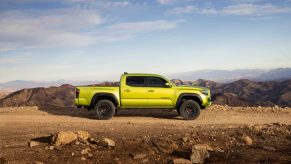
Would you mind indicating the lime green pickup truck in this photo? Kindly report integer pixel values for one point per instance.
(143, 91)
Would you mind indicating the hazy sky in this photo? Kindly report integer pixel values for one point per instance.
(99, 40)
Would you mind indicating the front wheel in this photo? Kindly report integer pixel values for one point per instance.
(189, 110)
(104, 109)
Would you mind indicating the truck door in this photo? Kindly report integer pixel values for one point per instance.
(134, 93)
(159, 95)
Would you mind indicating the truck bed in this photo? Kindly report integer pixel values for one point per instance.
(87, 92)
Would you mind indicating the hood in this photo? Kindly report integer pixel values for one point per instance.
(191, 87)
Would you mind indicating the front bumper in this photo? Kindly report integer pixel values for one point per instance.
(206, 103)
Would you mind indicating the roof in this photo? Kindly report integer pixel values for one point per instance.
(141, 74)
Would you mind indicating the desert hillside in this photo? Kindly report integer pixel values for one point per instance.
(62, 96)
(246, 92)
(238, 93)
(4, 93)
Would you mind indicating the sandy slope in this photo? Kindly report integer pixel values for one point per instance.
(218, 126)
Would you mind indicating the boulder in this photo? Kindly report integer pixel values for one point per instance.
(138, 156)
(64, 137)
(33, 144)
(107, 142)
(247, 140)
(38, 162)
(180, 161)
(198, 156)
(83, 135)
(200, 153)
(202, 146)
(165, 146)
(85, 151)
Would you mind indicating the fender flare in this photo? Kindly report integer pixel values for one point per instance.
(179, 100)
(96, 95)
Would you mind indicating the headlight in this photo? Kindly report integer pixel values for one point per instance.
(205, 92)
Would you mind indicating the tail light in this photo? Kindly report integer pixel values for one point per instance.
(77, 93)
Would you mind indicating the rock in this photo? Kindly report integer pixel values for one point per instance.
(200, 153)
(93, 146)
(185, 139)
(247, 140)
(64, 137)
(92, 141)
(33, 144)
(180, 161)
(83, 158)
(72, 153)
(107, 142)
(38, 162)
(51, 147)
(217, 149)
(138, 156)
(85, 151)
(145, 161)
(83, 135)
(77, 143)
(198, 156)
(257, 128)
(165, 146)
(90, 155)
(202, 146)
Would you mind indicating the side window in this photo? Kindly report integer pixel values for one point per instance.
(156, 82)
(135, 81)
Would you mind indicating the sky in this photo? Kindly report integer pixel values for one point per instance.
(44, 40)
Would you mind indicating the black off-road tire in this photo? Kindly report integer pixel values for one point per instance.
(178, 111)
(189, 110)
(104, 109)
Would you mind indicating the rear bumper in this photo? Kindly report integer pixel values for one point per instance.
(76, 102)
(81, 101)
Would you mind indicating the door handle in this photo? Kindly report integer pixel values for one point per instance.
(126, 90)
(151, 90)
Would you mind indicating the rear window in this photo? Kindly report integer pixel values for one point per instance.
(135, 81)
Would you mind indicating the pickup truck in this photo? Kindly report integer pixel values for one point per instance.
(143, 91)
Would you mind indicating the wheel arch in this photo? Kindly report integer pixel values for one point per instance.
(103, 96)
(189, 96)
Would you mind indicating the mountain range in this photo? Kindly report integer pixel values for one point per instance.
(222, 76)
(238, 93)
(245, 92)
(226, 76)
(21, 84)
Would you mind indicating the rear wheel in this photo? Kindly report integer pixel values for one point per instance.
(104, 109)
(189, 110)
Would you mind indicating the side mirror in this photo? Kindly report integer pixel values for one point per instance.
(168, 85)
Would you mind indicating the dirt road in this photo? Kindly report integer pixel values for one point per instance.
(138, 133)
